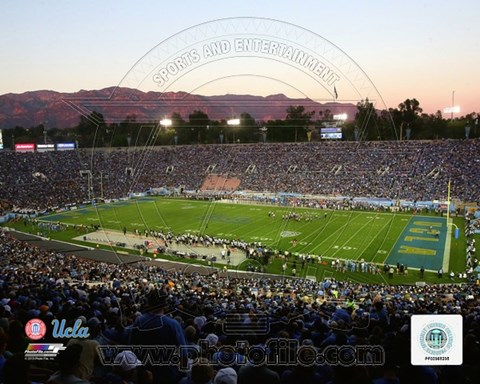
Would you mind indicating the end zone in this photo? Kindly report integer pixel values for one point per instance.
(423, 243)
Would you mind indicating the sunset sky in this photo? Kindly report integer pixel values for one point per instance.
(409, 49)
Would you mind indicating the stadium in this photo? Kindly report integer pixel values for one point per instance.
(187, 258)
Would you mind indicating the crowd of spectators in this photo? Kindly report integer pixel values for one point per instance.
(116, 302)
(413, 170)
(472, 226)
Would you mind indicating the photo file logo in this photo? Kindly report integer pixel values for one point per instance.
(42, 351)
(436, 340)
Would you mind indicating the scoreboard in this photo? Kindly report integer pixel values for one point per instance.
(329, 133)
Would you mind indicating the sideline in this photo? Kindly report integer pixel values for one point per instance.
(101, 255)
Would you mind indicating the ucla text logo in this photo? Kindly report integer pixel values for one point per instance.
(77, 331)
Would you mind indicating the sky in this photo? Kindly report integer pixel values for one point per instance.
(423, 49)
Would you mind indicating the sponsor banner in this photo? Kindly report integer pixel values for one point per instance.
(29, 147)
(374, 201)
(436, 340)
(427, 204)
(45, 147)
(65, 146)
(6, 218)
(137, 194)
(331, 133)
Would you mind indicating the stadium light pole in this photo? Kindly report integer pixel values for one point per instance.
(87, 173)
(453, 103)
(234, 123)
(340, 117)
(166, 123)
(475, 123)
(45, 132)
(263, 131)
(453, 108)
(101, 185)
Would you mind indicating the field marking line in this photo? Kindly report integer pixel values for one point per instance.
(341, 228)
(390, 224)
(357, 232)
(355, 280)
(333, 217)
(286, 208)
(318, 232)
(309, 268)
(283, 226)
(255, 218)
(340, 247)
(374, 238)
(327, 274)
(162, 218)
(383, 278)
(396, 241)
(353, 235)
(207, 215)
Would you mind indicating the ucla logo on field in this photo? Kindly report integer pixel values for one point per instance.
(61, 331)
(289, 233)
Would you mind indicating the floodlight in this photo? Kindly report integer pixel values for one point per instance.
(233, 122)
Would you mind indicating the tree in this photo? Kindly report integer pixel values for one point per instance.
(431, 126)
(327, 114)
(366, 121)
(91, 130)
(178, 132)
(299, 119)
(473, 119)
(410, 111)
(386, 126)
(248, 128)
(89, 124)
(198, 121)
(278, 131)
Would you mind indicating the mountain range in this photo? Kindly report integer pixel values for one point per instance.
(63, 110)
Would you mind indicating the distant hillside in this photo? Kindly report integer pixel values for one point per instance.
(62, 110)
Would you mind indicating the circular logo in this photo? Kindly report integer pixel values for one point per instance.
(35, 329)
(436, 338)
(289, 233)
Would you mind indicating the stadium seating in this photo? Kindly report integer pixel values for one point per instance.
(414, 170)
(223, 309)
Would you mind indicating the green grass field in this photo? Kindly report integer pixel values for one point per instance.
(355, 235)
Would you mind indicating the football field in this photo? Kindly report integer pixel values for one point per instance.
(412, 240)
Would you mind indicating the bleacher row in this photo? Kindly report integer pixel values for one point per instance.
(112, 300)
(414, 170)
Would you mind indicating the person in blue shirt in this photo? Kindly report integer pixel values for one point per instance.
(154, 328)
